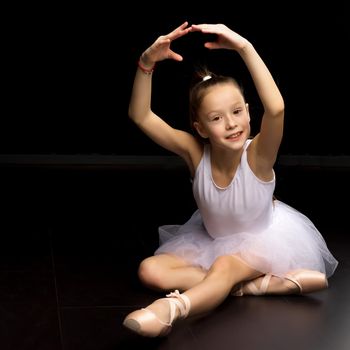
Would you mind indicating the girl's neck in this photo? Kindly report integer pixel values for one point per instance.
(225, 161)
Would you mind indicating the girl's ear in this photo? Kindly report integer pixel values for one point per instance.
(247, 108)
(201, 131)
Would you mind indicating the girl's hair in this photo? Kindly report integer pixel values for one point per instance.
(202, 80)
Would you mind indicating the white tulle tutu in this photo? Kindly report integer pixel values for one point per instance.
(290, 242)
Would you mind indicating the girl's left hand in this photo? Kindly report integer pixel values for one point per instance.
(226, 38)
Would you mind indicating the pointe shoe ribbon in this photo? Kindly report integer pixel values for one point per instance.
(146, 323)
(263, 286)
(184, 307)
(254, 290)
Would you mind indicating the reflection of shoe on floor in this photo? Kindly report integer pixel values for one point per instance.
(146, 323)
(307, 281)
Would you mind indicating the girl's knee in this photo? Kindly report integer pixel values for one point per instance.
(146, 268)
(223, 264)
(234, 268)
(150, 272)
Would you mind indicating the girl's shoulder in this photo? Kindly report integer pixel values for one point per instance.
(196, 153)
(257, 164)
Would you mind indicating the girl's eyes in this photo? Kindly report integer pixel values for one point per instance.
(219, 117)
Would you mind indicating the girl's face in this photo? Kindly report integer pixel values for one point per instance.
(223, 117)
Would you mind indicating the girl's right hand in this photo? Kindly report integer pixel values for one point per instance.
(160, 49)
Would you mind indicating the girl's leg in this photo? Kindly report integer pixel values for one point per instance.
(225, 272)
(204, 296)
(168, 272)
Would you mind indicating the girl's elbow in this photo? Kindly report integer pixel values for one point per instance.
(282, 106)
(132, 113)
(279, 108)
(280, 111)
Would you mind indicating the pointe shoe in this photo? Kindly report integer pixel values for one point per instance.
(254, 290)
(146, 323)
(308, 281)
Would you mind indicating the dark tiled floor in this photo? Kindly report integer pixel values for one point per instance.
(71, 241)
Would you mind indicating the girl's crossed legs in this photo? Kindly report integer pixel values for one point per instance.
(202, 290)
(205, 289)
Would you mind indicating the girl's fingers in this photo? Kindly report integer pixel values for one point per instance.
(179, 31)
(175, 56)
(160, 50)
(207, 28)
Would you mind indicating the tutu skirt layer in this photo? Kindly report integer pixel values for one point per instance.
(290, 242)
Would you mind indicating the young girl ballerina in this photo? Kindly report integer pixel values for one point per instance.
(240, 241)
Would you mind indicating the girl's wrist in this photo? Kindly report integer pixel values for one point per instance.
(146, 68)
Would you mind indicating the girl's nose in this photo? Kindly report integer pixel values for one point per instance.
(230, 123)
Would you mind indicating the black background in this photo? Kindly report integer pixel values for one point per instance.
(72, 237)
(68, 72)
